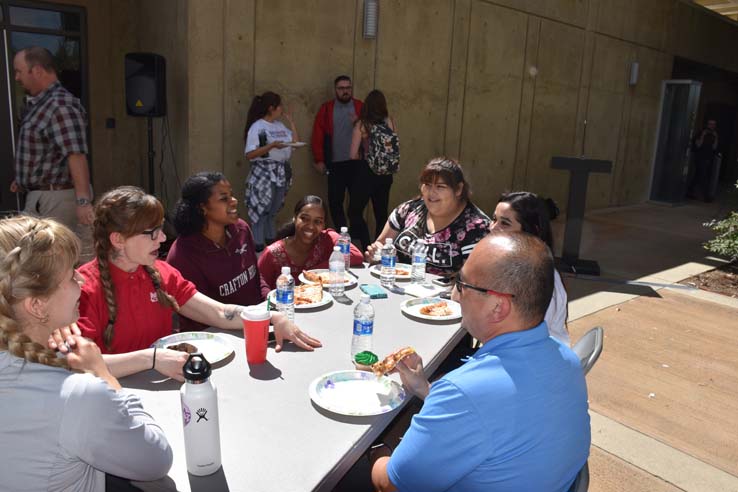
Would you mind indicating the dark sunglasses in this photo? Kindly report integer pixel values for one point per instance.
(461, 284)
(153, 233)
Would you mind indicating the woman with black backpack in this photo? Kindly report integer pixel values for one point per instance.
(375, 141)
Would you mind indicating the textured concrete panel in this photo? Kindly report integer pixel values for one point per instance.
(555, 107)
(635, 20)
(457, 77)
(495, 73)
(413, 56)
(607, 93)
(238, 87)
(205, 67)
(567, 11)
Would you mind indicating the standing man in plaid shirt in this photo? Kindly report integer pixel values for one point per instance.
(51, 161)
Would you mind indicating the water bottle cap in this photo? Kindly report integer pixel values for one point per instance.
(421, 241)
(197, 368)
(365, 298)
(336, 248)
(388, 240)
(285, 270)
(344, 229)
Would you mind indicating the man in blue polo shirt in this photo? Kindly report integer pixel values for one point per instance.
(514, 416)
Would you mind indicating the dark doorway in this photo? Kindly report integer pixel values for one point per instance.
(725, 115)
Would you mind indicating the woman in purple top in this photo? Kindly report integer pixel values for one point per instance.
(215, 248)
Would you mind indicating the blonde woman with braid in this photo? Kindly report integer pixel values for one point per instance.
(61, 414)
(129, 295)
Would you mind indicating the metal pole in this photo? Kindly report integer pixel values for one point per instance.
(150, 125)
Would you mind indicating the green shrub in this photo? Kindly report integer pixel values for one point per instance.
(726, 240)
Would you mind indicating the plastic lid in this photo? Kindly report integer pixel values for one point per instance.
(421, 241)
(388, 240)
(344, 229)
(365, 298)
(285, 270)
(197, 368)
(336, 248)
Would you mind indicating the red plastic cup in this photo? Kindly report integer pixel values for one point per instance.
(255, 333)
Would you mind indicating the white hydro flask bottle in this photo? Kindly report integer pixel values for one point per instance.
(200, 417)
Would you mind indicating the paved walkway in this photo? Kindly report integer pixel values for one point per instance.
(664, 394)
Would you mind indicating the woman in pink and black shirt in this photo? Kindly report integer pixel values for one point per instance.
(443, 215)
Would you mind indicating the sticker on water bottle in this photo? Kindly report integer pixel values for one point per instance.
(389, 261)
(345, 248)
(285, 296)
(419, 259)
(363, 327)
(186, 414)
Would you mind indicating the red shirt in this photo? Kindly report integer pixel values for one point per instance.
(140, 319)
(275, 257)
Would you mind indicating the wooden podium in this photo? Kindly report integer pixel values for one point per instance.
(579, 169)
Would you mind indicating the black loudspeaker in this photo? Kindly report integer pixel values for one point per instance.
(146, 84)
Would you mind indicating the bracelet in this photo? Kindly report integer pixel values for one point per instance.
(153, 363)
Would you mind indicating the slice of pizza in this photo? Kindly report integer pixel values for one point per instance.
(388, 364)
(401, 272)
(308, 293)
(324, 277)
(436, 309)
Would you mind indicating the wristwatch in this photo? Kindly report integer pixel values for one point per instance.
(81, 202)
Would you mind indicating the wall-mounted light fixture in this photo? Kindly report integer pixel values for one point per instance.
(633, 80)
(371, 18)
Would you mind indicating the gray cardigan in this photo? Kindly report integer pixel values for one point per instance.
(63, 431)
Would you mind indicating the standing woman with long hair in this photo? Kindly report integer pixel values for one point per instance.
(270, 178)
(65, 422)
(374, 127)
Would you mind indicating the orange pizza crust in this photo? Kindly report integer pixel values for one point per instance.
(388, 364)
(308, 293)
(324, 277)
(437, 309)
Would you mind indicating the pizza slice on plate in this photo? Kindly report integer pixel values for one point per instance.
(324, 277)
(436, 309)
(388, 363)
(308, 293)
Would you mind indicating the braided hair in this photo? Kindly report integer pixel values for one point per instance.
(127, 210)
(35, 254)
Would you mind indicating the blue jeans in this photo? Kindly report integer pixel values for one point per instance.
(264, 228)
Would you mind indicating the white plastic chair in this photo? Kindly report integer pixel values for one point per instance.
(589, 347)
(581, 483)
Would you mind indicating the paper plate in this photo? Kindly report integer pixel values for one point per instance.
(214, 347)
(357, 393)
(412, 308)
(327, 299)
(350, 281)
(376, 270)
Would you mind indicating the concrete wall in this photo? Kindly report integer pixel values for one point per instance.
(502, 84)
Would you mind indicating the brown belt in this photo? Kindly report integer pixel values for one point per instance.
(50, 187)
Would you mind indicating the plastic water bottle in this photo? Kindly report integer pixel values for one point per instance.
(363, 326)
(344, 242)
(286, 293)
(199, 398)
(420, 250)
(337, 271)
(389, 258)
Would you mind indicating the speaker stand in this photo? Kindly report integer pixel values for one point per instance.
(150, 131)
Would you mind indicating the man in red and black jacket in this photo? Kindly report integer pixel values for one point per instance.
(331, 144)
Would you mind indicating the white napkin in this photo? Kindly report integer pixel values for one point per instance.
(421, 290)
